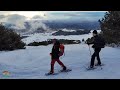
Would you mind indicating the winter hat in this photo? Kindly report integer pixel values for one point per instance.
(95, 31)
(55, 39)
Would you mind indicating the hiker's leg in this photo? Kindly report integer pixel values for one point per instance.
(92, 60)
(98, 57)
(52, 65)
(60, 63)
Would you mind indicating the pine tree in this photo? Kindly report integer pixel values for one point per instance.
(110, 26)
(10, 40)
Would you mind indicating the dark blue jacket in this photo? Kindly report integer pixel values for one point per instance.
(55, 50)
(98, 42)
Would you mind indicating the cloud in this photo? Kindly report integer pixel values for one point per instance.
(29, 14)
(18, 22)
(80, 15)
(2, 16)
(57, 15)
(37, 24)
(5, 12)
(38, 17)
(19, 17)
(16, 19)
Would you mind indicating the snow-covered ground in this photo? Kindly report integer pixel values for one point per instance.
(43, 37)
(38, 37)
(34, 62)
(66, 30)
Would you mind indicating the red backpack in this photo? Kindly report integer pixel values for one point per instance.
(62, 48)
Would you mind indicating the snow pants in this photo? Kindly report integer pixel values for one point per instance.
(95, 54)
(53, 62)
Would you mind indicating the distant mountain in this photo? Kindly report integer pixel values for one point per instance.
(73, 25)
(42, 26)
(71, 32)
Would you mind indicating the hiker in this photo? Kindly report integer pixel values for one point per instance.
(55, 54)
(98, 43)
(83, 40)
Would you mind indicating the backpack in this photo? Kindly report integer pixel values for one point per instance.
(102, 42)
(62, 49)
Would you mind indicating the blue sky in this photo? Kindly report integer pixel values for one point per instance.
(59, 15)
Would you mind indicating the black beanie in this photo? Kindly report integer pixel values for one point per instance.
(95, 31)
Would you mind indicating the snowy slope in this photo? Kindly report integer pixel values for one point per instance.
(34, 62)
(43, 37)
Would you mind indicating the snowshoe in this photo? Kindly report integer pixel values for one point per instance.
(66, 70)
(90, 68)
(47, 74)
(99, 64)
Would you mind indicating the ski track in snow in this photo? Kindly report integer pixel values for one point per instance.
(34, 62)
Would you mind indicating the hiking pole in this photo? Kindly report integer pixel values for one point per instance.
(90, 50)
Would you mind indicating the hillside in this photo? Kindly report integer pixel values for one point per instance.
(34, 62)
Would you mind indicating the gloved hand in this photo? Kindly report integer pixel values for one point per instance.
(93, 46)
(88, 43)
(50, 53)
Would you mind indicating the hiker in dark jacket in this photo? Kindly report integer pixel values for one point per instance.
(98, 43)
(55, 54)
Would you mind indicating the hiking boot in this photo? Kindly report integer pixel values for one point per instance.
(98, 65)
(91, 66)
(64, 68)
(51, 72)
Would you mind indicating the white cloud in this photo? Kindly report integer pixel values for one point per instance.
(18, 20)
(52, 14)
(5, 12)
(28, 14)
(37, 24)
(83, 15)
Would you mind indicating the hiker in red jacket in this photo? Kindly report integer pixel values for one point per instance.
(55, 54)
